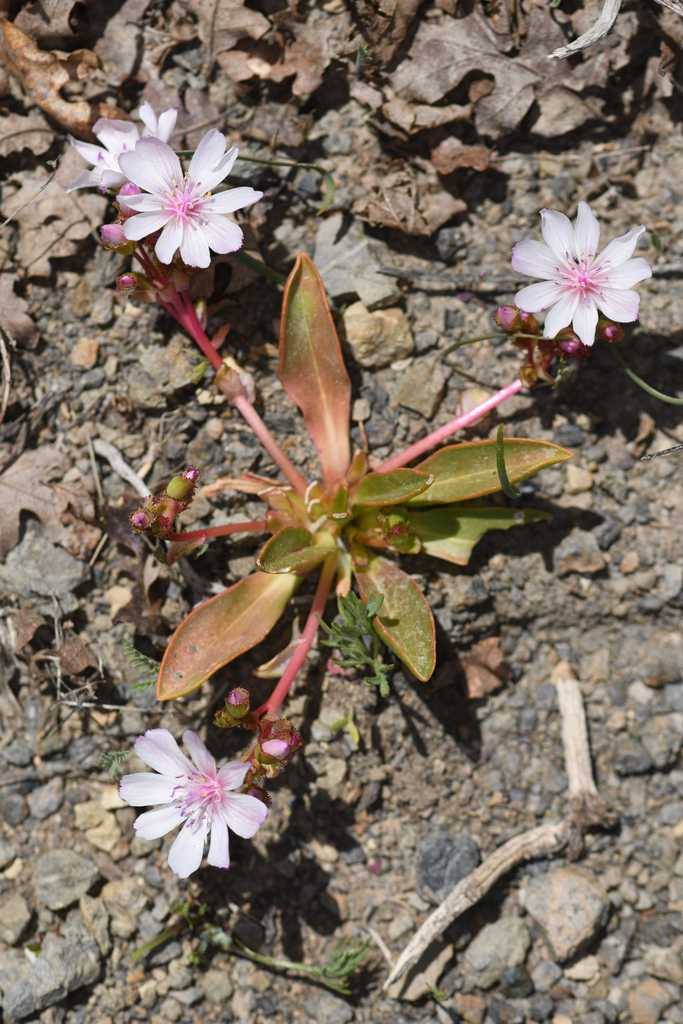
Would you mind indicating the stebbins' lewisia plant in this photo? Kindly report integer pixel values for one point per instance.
(577, 281)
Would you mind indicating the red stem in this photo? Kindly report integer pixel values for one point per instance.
(272, 705)
(396, 461)
(220, 531)
(244, 406)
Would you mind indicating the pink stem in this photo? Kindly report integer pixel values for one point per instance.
(396, 461)
(244, 406)
(272, 705)
(195, 329)
(220, 531)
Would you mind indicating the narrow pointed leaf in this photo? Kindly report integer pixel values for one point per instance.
(451, 533)
(404, 622)
(221, 629)
(247, 484)
(463, 471)
(358, 467)
(312, 370)
(274, 668)
(294, 548)
(389, 488)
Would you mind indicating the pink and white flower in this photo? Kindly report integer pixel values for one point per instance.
(181, 206)
(202, 796)
(576, 282)
(117, 137)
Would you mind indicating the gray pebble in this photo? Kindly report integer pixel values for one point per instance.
(545, 974)
(18, 753)
(631, 757)
(47, 799)
(7, 854)
(324, 1008)
(61, 877)
(498, 946)
(444, 858)
(14, 808)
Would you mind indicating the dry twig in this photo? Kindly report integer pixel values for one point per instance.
(603, 25)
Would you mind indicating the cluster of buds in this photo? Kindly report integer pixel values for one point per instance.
(158, 512)
(275, 741)
(526, 334)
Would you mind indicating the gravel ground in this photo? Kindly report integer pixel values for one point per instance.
(367, 836)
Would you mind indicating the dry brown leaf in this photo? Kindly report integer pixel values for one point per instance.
(30, 132)
(415, 118)
(445, 51)
(54, 223)
(75, 656)
(13, 315)
(385, 25)
(76, 511)
(317, 40)
(485, 668)
(53, 23)
(26, 624)
(451, 154)
(222, 23)
(119, 39)
(24, 487)
(415, 204)
(44, 74)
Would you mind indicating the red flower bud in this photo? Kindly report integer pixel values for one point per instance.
(610, 331)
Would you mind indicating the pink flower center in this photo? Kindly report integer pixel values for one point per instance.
(183, 202)
(196, 796)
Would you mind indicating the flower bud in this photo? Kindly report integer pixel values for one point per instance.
(236, 704)
(512, 319)
(528, 375)
(276, 749)
(181, 488)
(133, 283)
(129, 189)
(570, 344)
(201, 313)
(610, 331)
(113, 237)
(259, 793)
(140, 519)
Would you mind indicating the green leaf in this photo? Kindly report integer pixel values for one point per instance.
(451, 533)
(221, 629)
(294, 548)
(506, 487)
(391, 488)
(312, 370)
(404, 622)
(464, 471)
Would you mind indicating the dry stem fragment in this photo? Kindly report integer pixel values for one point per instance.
(603, 25)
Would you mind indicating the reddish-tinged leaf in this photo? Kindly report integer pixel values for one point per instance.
(390, 488)
(250, 483)
(312, 370)
(452, 532)
(294, 548)
(464, 471)
(405, 622)
(221, 629)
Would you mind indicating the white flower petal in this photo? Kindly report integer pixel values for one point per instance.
(585, 321)
(148, 117)
(207, 157)
(558, 234)
(199, 754)
(86, 179)
(112, 179)
(143, 202)
(620, 249)
(159, 750)
(561, 314)
(232, 774)
(143, 224)
(93, 154)
(187, 851)
(244, 814)
(167, 121)
(586, 232)
(116, 136)
(236, 199)
(153, 166)
(146, 788)
(536, 297)
(222, 235)
(627, 274)
(219, 847)
(194, 248)
(535, 259)
(170, 239)
(619, 305)
(156, 823)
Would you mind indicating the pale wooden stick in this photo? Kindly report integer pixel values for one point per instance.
(538, 842)
(603, 24)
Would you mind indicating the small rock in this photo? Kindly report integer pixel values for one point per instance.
(361, 411)
(545, 975)
(578, 480)
(663, 963)
(216, 986)
(36, 567)
(14, 808)
(583, 970)
(99, 826)
(516, 982)
(347, 261)
(497, 946)
(96, 920)
(569, 907)
(84, 353)
(631, 757)
(647, 1001)
(662, 741)
(14, 916)
(7, 854)
(377, 339)
(579, 552)
(125, 901)
(471, 1007)
(541, 1008)
(171, 1010)
(423, 977)
(324, 1008)
(630, 563)
(18, 753)
(188, 996)
(503, 1013)
(47, 799)
(608, 531)
(61, 877)
(612, 951)
(67, 962)
(444, 858)
(569, 436)
(673, 695)
(423, 387)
